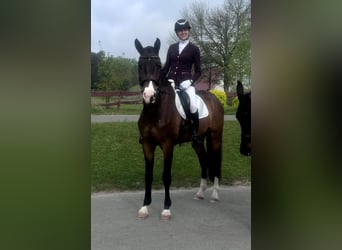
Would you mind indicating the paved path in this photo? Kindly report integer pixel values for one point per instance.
(132, 118)
(195, 225)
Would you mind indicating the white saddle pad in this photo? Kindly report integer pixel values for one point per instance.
(201, 106)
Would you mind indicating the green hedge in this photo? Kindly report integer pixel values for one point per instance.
(221, 96)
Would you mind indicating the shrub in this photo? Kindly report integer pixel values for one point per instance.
(221, 96)
(235, 102)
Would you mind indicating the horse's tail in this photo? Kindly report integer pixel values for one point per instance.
(214, 148)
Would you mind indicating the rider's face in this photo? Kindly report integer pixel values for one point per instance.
(183, 34)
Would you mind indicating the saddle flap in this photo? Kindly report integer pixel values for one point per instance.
(201, 106)
(185, 101)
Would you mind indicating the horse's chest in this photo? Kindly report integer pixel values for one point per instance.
(159, 132)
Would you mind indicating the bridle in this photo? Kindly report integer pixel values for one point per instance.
(149, 59)
(149, 78)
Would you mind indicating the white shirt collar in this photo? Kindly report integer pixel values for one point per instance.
(182, 45)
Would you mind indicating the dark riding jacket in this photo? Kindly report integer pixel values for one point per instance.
(178, 67)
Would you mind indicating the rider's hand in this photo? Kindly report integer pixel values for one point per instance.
(185, 84)
(172, 82)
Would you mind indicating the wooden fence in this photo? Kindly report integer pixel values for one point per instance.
(116, 98)
(129, 97)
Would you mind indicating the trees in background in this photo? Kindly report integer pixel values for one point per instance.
(95, 61)
(112, 73)
(223, 35)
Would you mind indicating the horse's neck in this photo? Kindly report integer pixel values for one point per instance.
(167, 96)
(163, 109)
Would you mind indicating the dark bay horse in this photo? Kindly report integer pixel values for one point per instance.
(243, 115)
(161, 125)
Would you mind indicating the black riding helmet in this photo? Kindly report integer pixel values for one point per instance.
(182, 24)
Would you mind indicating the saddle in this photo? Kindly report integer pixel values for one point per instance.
(182, 101)
(185, 101)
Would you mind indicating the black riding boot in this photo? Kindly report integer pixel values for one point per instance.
(195, 122)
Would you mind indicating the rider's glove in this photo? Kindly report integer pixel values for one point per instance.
(185, 84)
(172, 82)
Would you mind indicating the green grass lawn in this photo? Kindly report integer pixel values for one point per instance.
(117, 161)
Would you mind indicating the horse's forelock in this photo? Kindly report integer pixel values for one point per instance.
(149, 51)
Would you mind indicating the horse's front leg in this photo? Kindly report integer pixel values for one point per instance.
(149, 162)
(214, 195)
(168, 156)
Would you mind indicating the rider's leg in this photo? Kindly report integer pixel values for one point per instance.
(194, 114)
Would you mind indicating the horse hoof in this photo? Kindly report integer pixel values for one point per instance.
(214, 196)
(199, 197)
(143, 213)
(214, 200)
(165, 215)
(142, 216)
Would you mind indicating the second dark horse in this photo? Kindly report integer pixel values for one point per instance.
(161, 125)
(243, 115)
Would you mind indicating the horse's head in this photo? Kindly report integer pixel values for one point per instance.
(149, 70)
(243, 115)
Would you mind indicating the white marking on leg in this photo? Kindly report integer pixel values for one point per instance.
(143, 212)
(203, 186)
(148, 92)
(165, 214)
(214, 196)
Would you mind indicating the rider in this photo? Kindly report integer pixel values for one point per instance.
(180, 59)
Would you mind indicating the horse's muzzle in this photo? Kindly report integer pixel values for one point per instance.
(149, 99)
(149, 94)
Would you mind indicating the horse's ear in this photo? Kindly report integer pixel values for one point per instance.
(239, 88)
(138, 46)
(157, 45)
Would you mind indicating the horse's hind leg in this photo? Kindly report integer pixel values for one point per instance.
(203, 160)
(149, 162)
(200, 193)
(214, 147)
